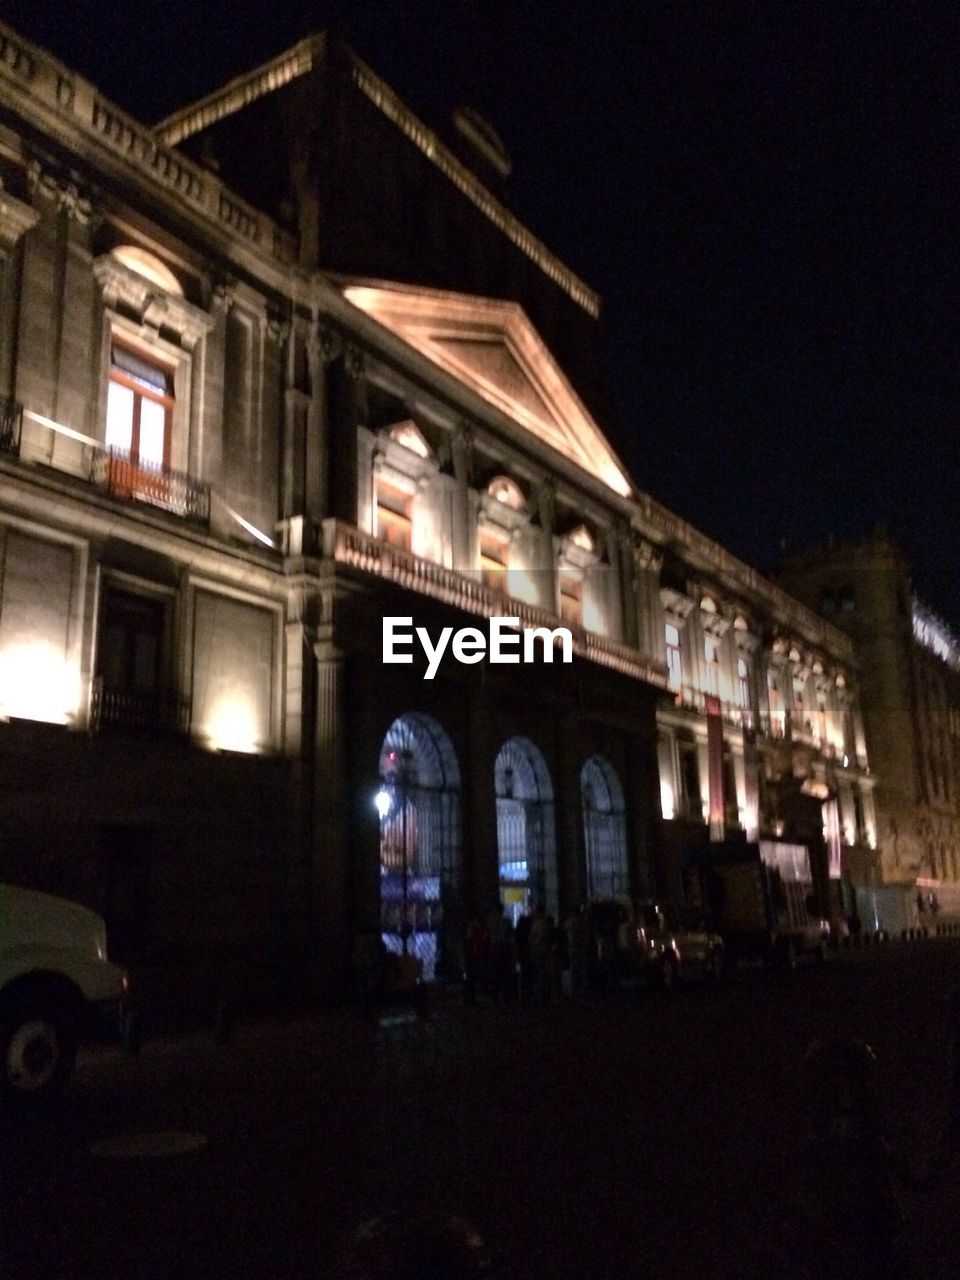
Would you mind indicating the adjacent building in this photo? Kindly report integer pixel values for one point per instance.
(253, 409)
(910, 671)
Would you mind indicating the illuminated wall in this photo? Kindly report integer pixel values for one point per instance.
(233, 673)
(38, 680)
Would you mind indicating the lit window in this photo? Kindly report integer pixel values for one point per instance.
(139, 408)
(712, 655)
(821, 724)
(504, 490)
(674, 658)
(394, 515)
(494, 552)
(571, 596)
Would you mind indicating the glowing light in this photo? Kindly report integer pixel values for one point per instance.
(149, 267)
(521, 586)
(36, 684)
(382, 803)
(509, 366)
(233, 727)
(667, 801)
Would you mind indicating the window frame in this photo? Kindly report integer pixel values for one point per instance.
(116, 375)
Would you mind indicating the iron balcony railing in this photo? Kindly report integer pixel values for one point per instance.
(161, 711)
(124, 476)
(11, 419)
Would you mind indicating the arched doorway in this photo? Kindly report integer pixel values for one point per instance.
(526, 829)
(419, 807)
(604, 829)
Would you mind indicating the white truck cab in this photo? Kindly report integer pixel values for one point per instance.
(54, 974)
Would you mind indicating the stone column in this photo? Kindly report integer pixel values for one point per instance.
(462, 458)
(648, 609)
(346, 411)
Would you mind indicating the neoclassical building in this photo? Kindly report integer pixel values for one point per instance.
(252, 410)
(911, 704)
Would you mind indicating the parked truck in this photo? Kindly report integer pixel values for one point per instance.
(759, 897)
(55, 983)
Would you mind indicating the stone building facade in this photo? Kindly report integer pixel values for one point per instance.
(250, 411)
(910, 665)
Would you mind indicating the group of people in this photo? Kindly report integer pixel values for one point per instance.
(528, 962)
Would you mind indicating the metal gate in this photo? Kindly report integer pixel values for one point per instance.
(419, 807)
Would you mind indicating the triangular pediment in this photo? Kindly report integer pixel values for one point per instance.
(492, 348)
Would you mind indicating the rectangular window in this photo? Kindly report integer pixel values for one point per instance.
(712, 657)
(130, 690)
(494, 556)
(571, 596)
(394, 515)
(674, 658)
(139, 408)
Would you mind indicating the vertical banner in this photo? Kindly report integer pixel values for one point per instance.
(715, 766)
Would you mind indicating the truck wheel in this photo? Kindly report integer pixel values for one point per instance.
(38, 1045)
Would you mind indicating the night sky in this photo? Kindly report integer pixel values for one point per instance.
(764, 195)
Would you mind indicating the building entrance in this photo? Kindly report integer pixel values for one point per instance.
(526, 830)
(419, 807)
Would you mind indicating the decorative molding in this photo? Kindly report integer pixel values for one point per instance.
(153, 306)
(676, 605)
(646, 558)
(63, 191)
(16, 219)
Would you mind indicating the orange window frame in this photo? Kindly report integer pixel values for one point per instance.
(141, 393)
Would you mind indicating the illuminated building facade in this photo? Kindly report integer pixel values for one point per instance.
(910, 664)
(253, 409)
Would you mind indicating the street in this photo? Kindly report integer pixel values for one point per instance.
(643, 1135)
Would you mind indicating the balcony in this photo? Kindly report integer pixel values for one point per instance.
(122, 476)
(11, 418)
(350, 546)
(155, 711)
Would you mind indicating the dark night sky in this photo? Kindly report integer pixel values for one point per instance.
(764, 194)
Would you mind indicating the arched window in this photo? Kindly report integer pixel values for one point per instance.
(526, 838)
(419, 806)
(604, 829)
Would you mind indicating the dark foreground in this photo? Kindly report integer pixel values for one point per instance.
(648, 1136)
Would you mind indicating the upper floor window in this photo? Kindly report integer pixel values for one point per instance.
(494, 557)
(712, 657)
(139, 407)
(394, 515)
(674, 658)
(743, 683)
(571, 595)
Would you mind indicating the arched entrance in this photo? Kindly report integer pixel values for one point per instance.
(604, 829)
(526, 829)
(419, 807)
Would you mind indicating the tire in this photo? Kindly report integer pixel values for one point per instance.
(38, 1045)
